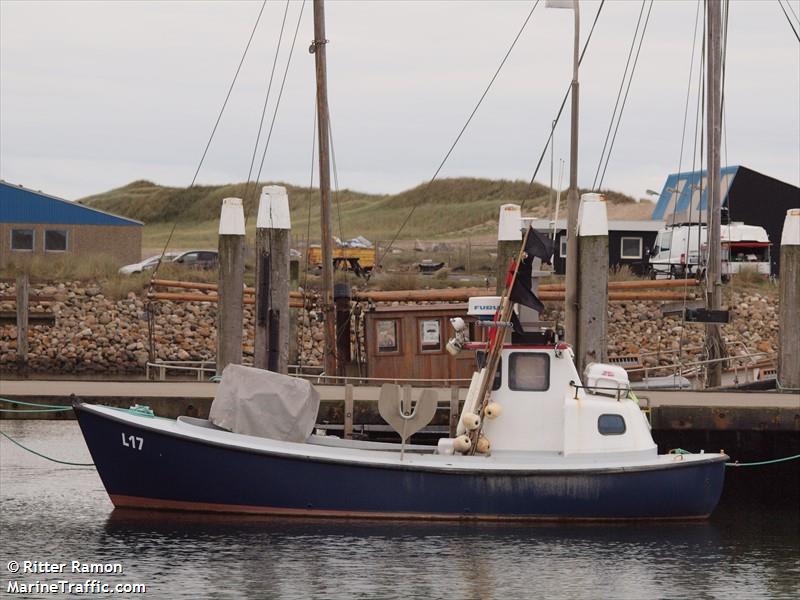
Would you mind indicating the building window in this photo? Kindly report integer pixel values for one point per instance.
(529, 372)
(611, 424)
(630, 247)
(22, 239)
(430, 335)
(562, 246)
(386, 332)
(55, 240)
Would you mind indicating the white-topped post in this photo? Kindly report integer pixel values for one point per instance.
(593, 286)
(272, 315)
(509, 238)
(231, 284)
(788, 322)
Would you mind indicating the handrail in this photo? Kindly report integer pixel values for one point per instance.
(703, 362)
(695, 367)
(209, 366)
(686, 349)
(383, 379)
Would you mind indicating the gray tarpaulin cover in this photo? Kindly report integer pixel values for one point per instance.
(265, 404)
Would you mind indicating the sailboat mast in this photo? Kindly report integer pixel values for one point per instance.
(714, 131)
(318, 48)
(572, 278)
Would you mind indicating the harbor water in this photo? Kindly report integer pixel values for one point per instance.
(57, 514)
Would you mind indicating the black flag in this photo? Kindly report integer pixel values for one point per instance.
(536, 246)
(539, 246)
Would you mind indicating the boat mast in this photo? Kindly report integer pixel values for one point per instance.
(572, 278)
(318, 49)
(714, 132)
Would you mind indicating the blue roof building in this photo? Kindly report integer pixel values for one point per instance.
(36, 224)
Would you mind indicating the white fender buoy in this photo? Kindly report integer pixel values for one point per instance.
(471, 421)
(483, 446)
(462, 443)
(493, 410)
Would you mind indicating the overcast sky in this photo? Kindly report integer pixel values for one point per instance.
(94, 95)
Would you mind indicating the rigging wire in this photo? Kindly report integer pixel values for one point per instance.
(723, 115)
(461, 133)
(280, 93)
(698, 126)
(686, 106)
(335, 176)
(310, 197)
(210, 138)
(677, 197)
(266, 101)
(274, 117)
(627, 90)
(564, 100)
(727, 8)
(789, 20)
(794, 14)
(619, 94)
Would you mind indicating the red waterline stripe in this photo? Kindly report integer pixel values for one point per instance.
(122, 501)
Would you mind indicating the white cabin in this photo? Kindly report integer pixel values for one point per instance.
(545, 407)
(542, 411)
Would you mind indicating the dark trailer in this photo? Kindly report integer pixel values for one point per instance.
(629, 243)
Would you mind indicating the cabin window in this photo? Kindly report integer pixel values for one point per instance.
(529, 372)
(562, 246)
(22, 239)
(611, 424)
(480, 358)
(630, 247)
(430, 335)
(386, 333)
(55, 240)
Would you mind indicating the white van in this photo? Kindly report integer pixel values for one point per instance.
(682, 250)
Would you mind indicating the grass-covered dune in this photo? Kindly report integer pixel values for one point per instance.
(448, 208)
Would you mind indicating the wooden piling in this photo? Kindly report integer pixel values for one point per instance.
(273, 225)
(231, 284)
(23, 293)
(454, 412)
(592, 322)
(348, 411)
(342, 300)
(788, 323)
(294, 281)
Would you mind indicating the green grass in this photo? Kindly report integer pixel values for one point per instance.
(102, 270)
(449, 208)
(64, 268)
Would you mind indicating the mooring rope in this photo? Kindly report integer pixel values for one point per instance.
(38, 408)
(764, 462)
(750, 464)
(50, 458)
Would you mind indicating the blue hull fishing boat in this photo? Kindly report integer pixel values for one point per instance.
(188, 464)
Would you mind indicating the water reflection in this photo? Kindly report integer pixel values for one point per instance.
(54, 513)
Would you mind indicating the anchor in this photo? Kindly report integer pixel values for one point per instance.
(397, 411)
